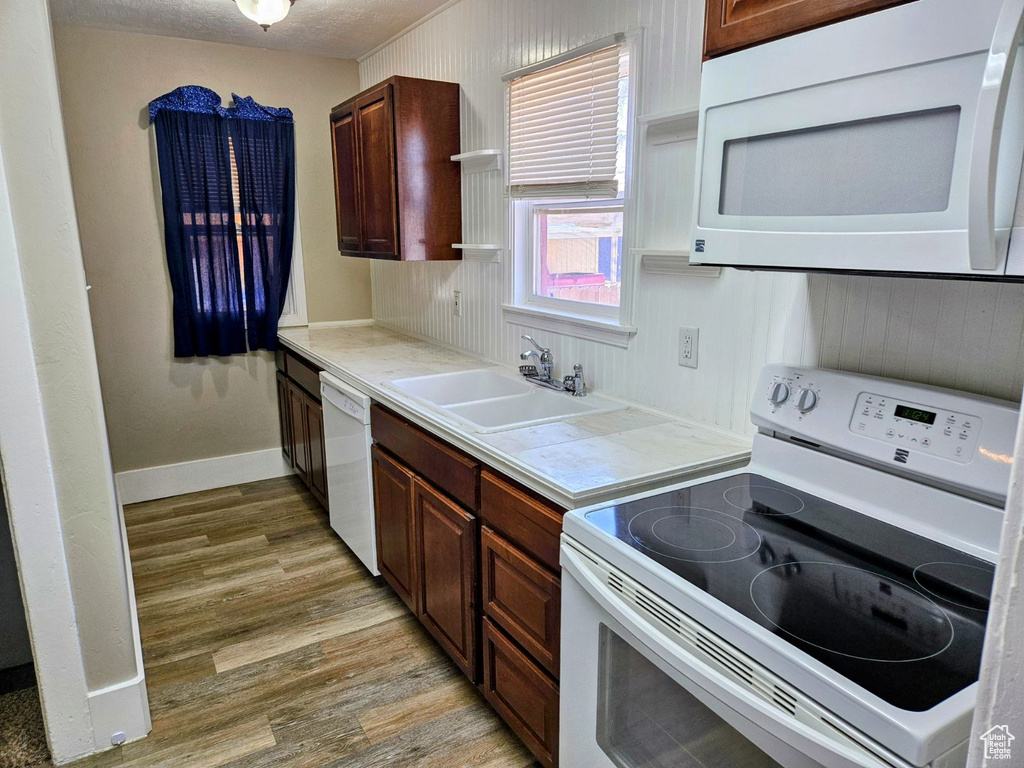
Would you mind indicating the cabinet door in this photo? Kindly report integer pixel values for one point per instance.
(317, 450)
(299, 430)
(734, 24)
(375, 135)
(449, 574)
(397, 542)
(346, 188)
(284, 417)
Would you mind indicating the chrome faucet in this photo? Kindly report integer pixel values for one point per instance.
(544, 357)
(543, 372)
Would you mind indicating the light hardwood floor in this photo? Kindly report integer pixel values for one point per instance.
(267, 643)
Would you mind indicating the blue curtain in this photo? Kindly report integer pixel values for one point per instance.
(225, 302)
(264, 143)
(199, 223)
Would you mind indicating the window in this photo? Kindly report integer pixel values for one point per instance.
(568, 162)
(293, 310)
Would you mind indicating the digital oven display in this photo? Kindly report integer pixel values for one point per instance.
(915, 414)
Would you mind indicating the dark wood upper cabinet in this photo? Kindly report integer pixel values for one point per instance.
(733, 24)
(398, 192)
(346, 191)
(376, 184)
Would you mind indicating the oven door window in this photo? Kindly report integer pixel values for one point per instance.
(646, 720)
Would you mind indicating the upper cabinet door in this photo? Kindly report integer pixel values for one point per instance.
(734, 24)
(346, 188)
(376, 172)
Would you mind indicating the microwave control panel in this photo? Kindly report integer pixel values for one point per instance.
(939, 432)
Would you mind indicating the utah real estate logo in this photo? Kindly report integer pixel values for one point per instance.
(997, 742)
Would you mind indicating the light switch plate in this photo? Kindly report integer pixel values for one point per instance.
(688, 343)
(457, 307)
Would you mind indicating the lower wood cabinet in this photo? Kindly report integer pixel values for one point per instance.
(448, 588)
(297, 415)
(427, 552)
(317, 449)
(397, 542)
(301, 420)
(522, 693)
(284, 420)
(475, 557)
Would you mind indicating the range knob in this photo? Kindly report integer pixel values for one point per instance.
(779, 394)
(806, 400)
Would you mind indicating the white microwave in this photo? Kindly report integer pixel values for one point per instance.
(888, 143)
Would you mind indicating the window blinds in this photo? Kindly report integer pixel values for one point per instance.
(563, 127)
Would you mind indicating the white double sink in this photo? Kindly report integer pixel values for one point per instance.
(488, 400)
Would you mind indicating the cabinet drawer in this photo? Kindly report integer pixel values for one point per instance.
(522, 693)
(306, 375)
(534, 525)
(521, 597)
(450, 470)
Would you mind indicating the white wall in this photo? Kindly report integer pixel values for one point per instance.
(53, 439)
(162, 410)
(957, 334)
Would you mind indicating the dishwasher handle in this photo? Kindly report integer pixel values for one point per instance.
(345, 398)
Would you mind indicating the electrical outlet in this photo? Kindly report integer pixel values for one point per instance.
(457, 306)
(688, 338)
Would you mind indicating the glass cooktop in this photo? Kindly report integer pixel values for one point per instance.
(901, 616)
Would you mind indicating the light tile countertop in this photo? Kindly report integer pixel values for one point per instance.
(574, 462)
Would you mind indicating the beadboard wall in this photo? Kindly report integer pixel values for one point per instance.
(966, 335)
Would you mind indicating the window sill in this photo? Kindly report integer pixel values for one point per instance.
(579, 326)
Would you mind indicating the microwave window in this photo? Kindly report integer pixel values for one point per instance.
(885, 165)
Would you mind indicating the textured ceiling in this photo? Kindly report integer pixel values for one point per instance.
(341, 28)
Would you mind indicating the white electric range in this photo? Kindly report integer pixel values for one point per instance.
(823, 606)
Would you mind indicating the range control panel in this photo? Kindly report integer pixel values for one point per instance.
(954, 438)
(948, 434)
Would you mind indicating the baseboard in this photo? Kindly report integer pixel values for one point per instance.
(342, 323)
(202, 475)
(120, 713)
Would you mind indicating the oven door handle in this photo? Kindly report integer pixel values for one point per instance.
(988, 129)
(714, 683)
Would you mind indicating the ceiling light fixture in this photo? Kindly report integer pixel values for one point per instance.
(265, 12)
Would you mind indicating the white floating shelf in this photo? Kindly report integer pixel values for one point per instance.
(670, 262)
(480, 251)
(479, 160)
(670, 127)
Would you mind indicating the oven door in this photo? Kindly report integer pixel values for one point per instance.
(632, 695)
(887, 143)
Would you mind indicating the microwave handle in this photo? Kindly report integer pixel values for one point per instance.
(714, 682)
(988, 128)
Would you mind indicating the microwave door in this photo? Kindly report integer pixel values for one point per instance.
(864, 164)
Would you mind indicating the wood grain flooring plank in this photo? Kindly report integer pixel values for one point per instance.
(314, 631)
(383, 722)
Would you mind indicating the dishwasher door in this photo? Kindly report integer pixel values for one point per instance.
(349, 471)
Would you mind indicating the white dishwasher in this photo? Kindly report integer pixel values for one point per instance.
(349, 471)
